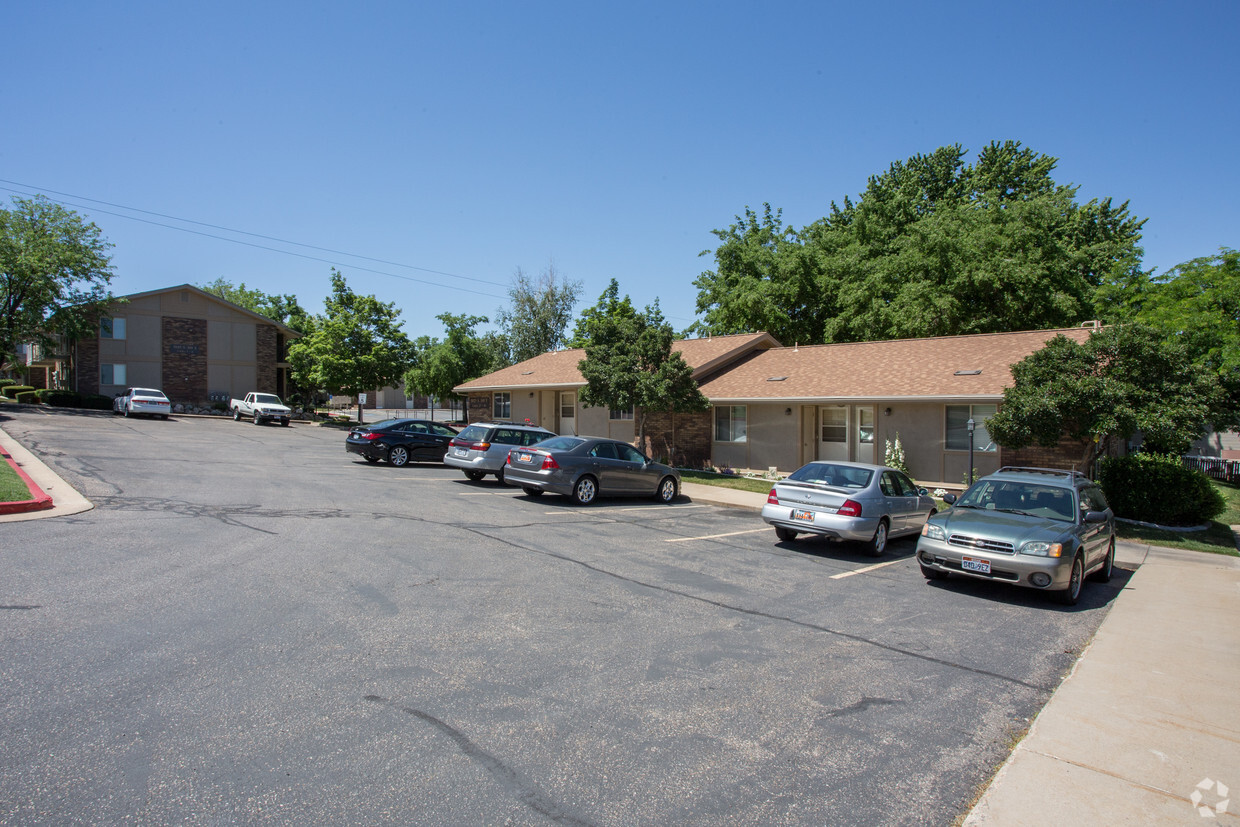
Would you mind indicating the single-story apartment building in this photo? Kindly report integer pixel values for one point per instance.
(195, 346)
(780, 407)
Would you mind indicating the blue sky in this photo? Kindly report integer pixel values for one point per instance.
(458, 142)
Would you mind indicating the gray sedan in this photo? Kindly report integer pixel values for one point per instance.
(587, 467)
(847, 501)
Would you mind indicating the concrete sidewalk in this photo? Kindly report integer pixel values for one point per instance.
(65, 499)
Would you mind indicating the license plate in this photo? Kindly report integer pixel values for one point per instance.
(460, 452)
(808, 516)
(524, 457)
(975, 564)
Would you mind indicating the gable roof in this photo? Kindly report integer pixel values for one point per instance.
(976, 366)
(558, 369)
(285, 329)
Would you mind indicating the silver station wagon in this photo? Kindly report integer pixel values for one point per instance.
(1040, 528)
(847, 501)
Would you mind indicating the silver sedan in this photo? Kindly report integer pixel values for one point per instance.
(847, 501)
(587, 467)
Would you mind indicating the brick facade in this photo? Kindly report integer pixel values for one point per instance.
(681, 438)
(267, 358)
(183, 355)
(87, 366)
(1066, 455)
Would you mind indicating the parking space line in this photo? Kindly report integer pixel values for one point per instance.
(589, 510)
(716, 536)
(864, 569)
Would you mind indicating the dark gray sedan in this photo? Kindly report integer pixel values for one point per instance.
(585, 467)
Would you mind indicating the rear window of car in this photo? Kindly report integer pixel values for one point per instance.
(474, 433)
(840, 476)
(560, 443)
(536, 437)
(149, 392)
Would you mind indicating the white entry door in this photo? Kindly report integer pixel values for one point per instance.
(568, 413)
(863, 435)
(833, 432)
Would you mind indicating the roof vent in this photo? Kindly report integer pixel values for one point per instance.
(1093, 324)
(776, 378)
(526, 372)
(975, 372)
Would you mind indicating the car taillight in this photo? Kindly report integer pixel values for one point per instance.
(370, 435)
(479, 446)
(549, 463)
(772, 498)
(850, 508)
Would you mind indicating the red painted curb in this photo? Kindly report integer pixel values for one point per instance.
(40, 499)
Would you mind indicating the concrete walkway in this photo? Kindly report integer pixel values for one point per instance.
(1144, 730)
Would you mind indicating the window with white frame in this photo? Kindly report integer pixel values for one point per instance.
(112, 374)
(956, 437)
(502, 407)
(110, 328)
(621, 413)
(730, 423)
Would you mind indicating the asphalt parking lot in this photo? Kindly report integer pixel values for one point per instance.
(253, 626)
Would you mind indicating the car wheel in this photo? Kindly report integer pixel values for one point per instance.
(236, 415)
(932, 574)
(258, 420)
(164, 417)
(499, 476)
(285, 423)
(878, 543)
(785, 535)
(371, 459)
(128, 412)
(1070, 595)
(666, 491)
(532, 491)
(474, 475)
(1103, 575)
(398, 456)
(585, 491)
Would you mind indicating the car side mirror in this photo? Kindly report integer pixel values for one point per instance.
(1095, 516)
(950, 499)
(922, 492)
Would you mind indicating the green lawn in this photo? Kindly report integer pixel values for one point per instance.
(728, 481)
(12, 488)
(1216, 539)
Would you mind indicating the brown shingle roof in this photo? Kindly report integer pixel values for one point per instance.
(940, 368)
(559, 368)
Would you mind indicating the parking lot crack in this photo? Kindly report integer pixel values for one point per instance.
(525, 791)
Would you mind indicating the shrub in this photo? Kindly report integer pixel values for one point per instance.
(1158, 488)
(11, 391)
(6, 382)
(96, 402)
(30, 397)
(61, 398)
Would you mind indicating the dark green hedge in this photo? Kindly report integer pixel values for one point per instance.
(30, 397)
(73, 399)
(1157, 488)
(11, 391)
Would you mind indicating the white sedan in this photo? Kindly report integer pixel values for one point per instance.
(142, 401)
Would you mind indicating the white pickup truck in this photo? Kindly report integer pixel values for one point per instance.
(263, 407)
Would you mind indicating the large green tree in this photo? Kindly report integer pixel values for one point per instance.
(629, 362)
(1196, 304)
(355, 346)
(439, 366)
(1123, 380)
(933, 246)
(54, 274)
(281, 308)
(538, 313)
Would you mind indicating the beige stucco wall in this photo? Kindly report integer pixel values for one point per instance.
(592, 421)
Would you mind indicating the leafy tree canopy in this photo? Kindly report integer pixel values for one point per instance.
(629, 361)
(283, 309)
(538, 314)
(1123, 379)
(1198, 305)
(356, 346)
(54, 274)
(439, 366)
(933, 246)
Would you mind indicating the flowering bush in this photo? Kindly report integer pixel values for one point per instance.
(893, 455)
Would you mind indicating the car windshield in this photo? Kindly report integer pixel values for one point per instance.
(1048, 501)
(839, 476)
(560, 443)
(268, 399)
